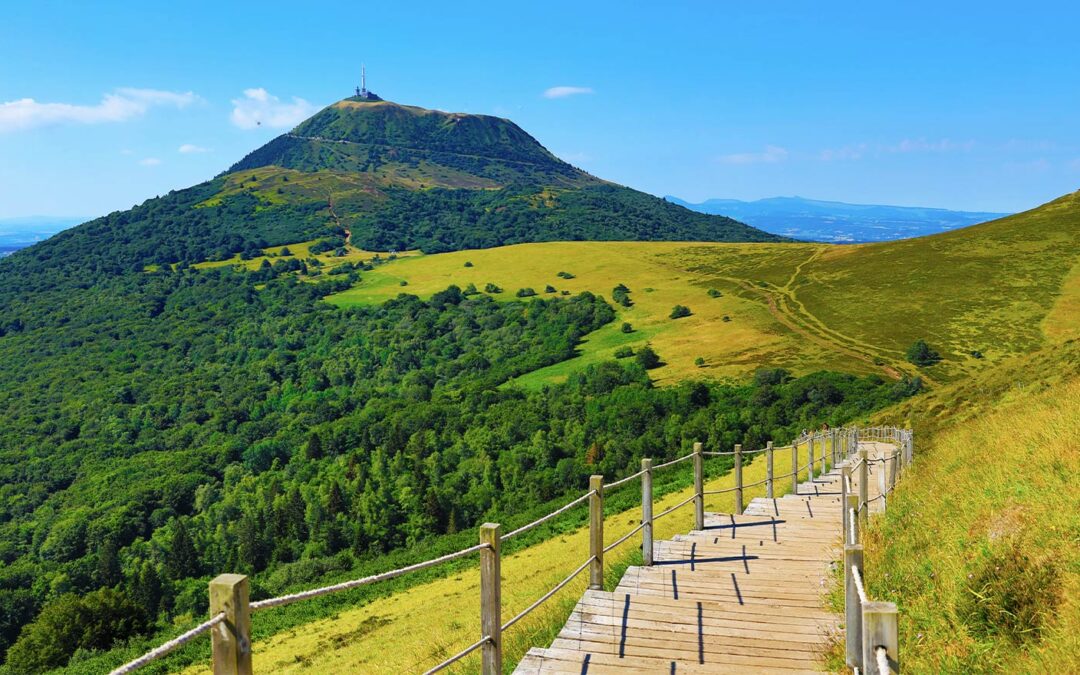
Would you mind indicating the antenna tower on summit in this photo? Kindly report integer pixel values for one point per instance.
(362, 92)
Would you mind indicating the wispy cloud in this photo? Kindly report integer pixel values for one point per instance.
(770, 155)
(564, 91)
(259, 107)
(119, 106)
(189, 149)
(856, 151)
(150, 161)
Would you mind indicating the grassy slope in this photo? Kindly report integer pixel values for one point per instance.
(997, 480)
(428, 623)
(1003, 288)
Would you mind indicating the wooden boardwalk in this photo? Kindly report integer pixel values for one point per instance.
(745, 594)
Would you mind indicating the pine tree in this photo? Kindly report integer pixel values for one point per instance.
(183, 559)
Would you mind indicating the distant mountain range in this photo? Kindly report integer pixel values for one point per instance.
(816, 220)
(16, 233)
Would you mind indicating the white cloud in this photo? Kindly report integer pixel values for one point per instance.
(909, 145)
(848, 152)
(563, 92)
(150, 161)
(188, 149)
(119, 106)
(260, 108)
(771, 155)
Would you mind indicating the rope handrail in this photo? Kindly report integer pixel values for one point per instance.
(175, 643)
(623, 481)
(544, 519)
(674, 461)
(882, 655)
(856, 576)
(460, 655)
(677, 506)
(523, 613)
(623, 538)
(355, 583)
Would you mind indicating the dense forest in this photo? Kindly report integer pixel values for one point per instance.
(160, 428)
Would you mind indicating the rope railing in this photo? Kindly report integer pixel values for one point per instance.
(871, 628)
(544, 519)
(229, 593)
(171, 645)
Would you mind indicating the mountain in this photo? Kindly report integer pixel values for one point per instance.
(837, 222)
(394, 177)
(16, 233)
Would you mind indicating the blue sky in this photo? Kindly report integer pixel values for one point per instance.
(956, 105)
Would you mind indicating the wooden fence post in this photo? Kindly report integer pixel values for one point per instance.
(646, 511)
(699, 488)
(769, 471)
(894, 466)
(231, 639)
(880, 628)
(794, 467)
(738, 480)
(810, 461)
(491, 599)
(852, 502)
(824, 455)
(845, 476)
(596, 533)
(864, 483)
(853, 557)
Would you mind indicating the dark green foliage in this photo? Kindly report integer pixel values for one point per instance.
(725, 318)
(565, 275)
(975, 353)
(921, 354)
(468, 264)
(621, 295)
(491, 288)
(679, 311)
(626, 327)
(525, 293)
(470, 290)
(699, 362)
(647, 358)
(70, 622)
(549, 289)
(623, 352)
(713, 293)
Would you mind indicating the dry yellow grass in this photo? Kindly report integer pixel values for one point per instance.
(418, 628)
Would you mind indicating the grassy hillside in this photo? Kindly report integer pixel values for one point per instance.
(979, 296)
(980, 547)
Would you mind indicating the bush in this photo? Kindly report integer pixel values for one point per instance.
(403, 283)
(679, 311)
(565, 275)
(491, 288)
(647, 358)
(468, 264)
(627, 328)
(525, 293)
(549, 289)
(69, 623)
(713, 293)
(624, 352)
(470, 290)
(285, 252)
(621, 295)
(725, 318)
(699, 362)
(921, 354)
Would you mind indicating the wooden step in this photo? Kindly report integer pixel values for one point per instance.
(553, 661)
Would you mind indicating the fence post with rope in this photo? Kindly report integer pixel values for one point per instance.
(769, 470)
(699, 488)
(596, 532)
(738, 480)
(646, 512)
(231, 639)
(491, 599)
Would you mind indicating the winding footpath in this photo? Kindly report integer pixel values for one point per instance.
(744, 595)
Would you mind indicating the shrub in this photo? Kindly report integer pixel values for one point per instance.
(285, 252)
(921, 354)
(525, 293)
(403, 283)
(725, 318)
(627, 328)
(470, 290)
(975, 353)
(564, 292)
(713, 293)
(647, 358)
(468, 264)
(621, 295)
(623, 352)
(699, 362)
(565, 275)
(69, 623)
(491, 288)
(549, 289)
(679, 311)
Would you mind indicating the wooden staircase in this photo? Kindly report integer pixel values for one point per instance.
(745, 594)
